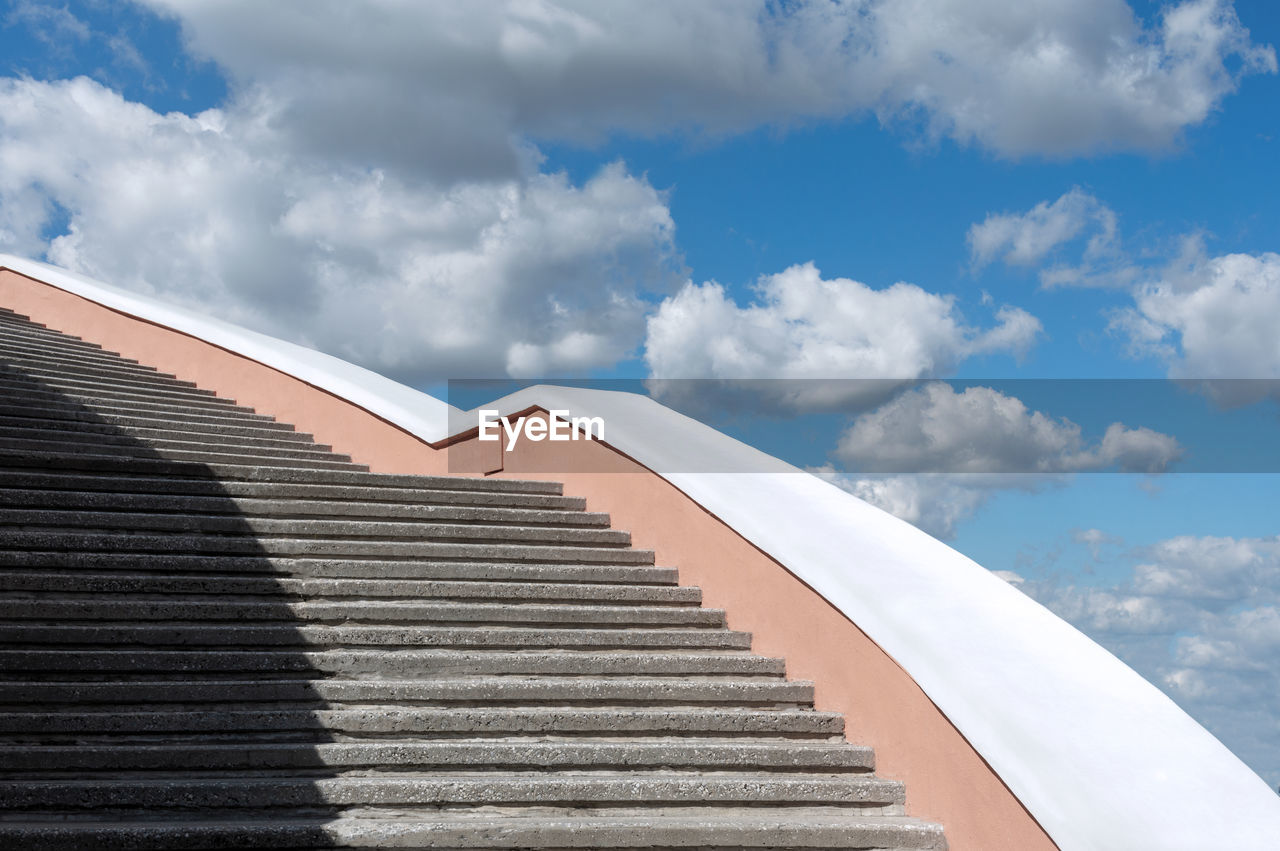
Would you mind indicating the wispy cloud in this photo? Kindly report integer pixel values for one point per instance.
(1072, 241)
(1200, 617)
(1203, 316)
(53, 25)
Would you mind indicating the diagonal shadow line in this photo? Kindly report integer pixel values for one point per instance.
(60, 645)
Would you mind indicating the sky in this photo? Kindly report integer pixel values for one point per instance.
(1034, 242)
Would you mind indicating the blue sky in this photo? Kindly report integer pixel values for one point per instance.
(928, 189)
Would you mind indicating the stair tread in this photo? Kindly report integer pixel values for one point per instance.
(755, 828)
(215, 632)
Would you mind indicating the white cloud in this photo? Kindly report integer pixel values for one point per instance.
(1024, 239)
(372, 185)
(1060, 77)
(1038, 77)
(1030, 239)
(1200, 617)
(1205, 317)
(53, 25)
(1095, 540)
(1210, 568)
(531, 274)
(934, 429)
(1012, 577)
(802, 326)
(934, 503)
(1210, 317)
(934, 457)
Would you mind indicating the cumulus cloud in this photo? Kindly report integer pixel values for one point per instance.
(528, 275)
(933, 456)
(1209, 317)
(804, 326)
(1063, 77)
(1200, 617)
(1043, 77)
(935, 429)
(372, 184)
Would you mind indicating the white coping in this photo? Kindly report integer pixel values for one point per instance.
(1100, 757)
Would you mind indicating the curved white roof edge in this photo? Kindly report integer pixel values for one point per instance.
(1100, 757)
(411, 410)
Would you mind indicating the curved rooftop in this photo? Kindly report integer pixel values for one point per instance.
(1099, 757)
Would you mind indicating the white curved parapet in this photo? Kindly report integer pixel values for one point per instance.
(1100, 757)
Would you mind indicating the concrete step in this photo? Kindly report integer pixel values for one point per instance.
(392, 720)
(168, 418)
(272, 567)
(24, 359)
(394, 663)
(35, 343)
(23, 356)
(57, 347)
(23, 349)
(65, 405)
(43, 440)
(74, 415)
(61, 377)
(354, 612)
(53, 540)
(852, 791)
(22, 328)
(96, 501)
(247, 457)
(268, 529)
(10, 315)
(54, 428)
(241, 472)
(105, 395)
(293, 635)
(215, 633)
(18, 762)
(168, 487)
(702, 829)
(142, 586)
(213, 693)
(426, 528)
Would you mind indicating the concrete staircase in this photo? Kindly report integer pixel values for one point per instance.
(215, 633)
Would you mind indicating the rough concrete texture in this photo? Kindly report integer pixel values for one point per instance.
(217, 633)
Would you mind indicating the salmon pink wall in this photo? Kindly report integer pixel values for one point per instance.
(947, 781)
